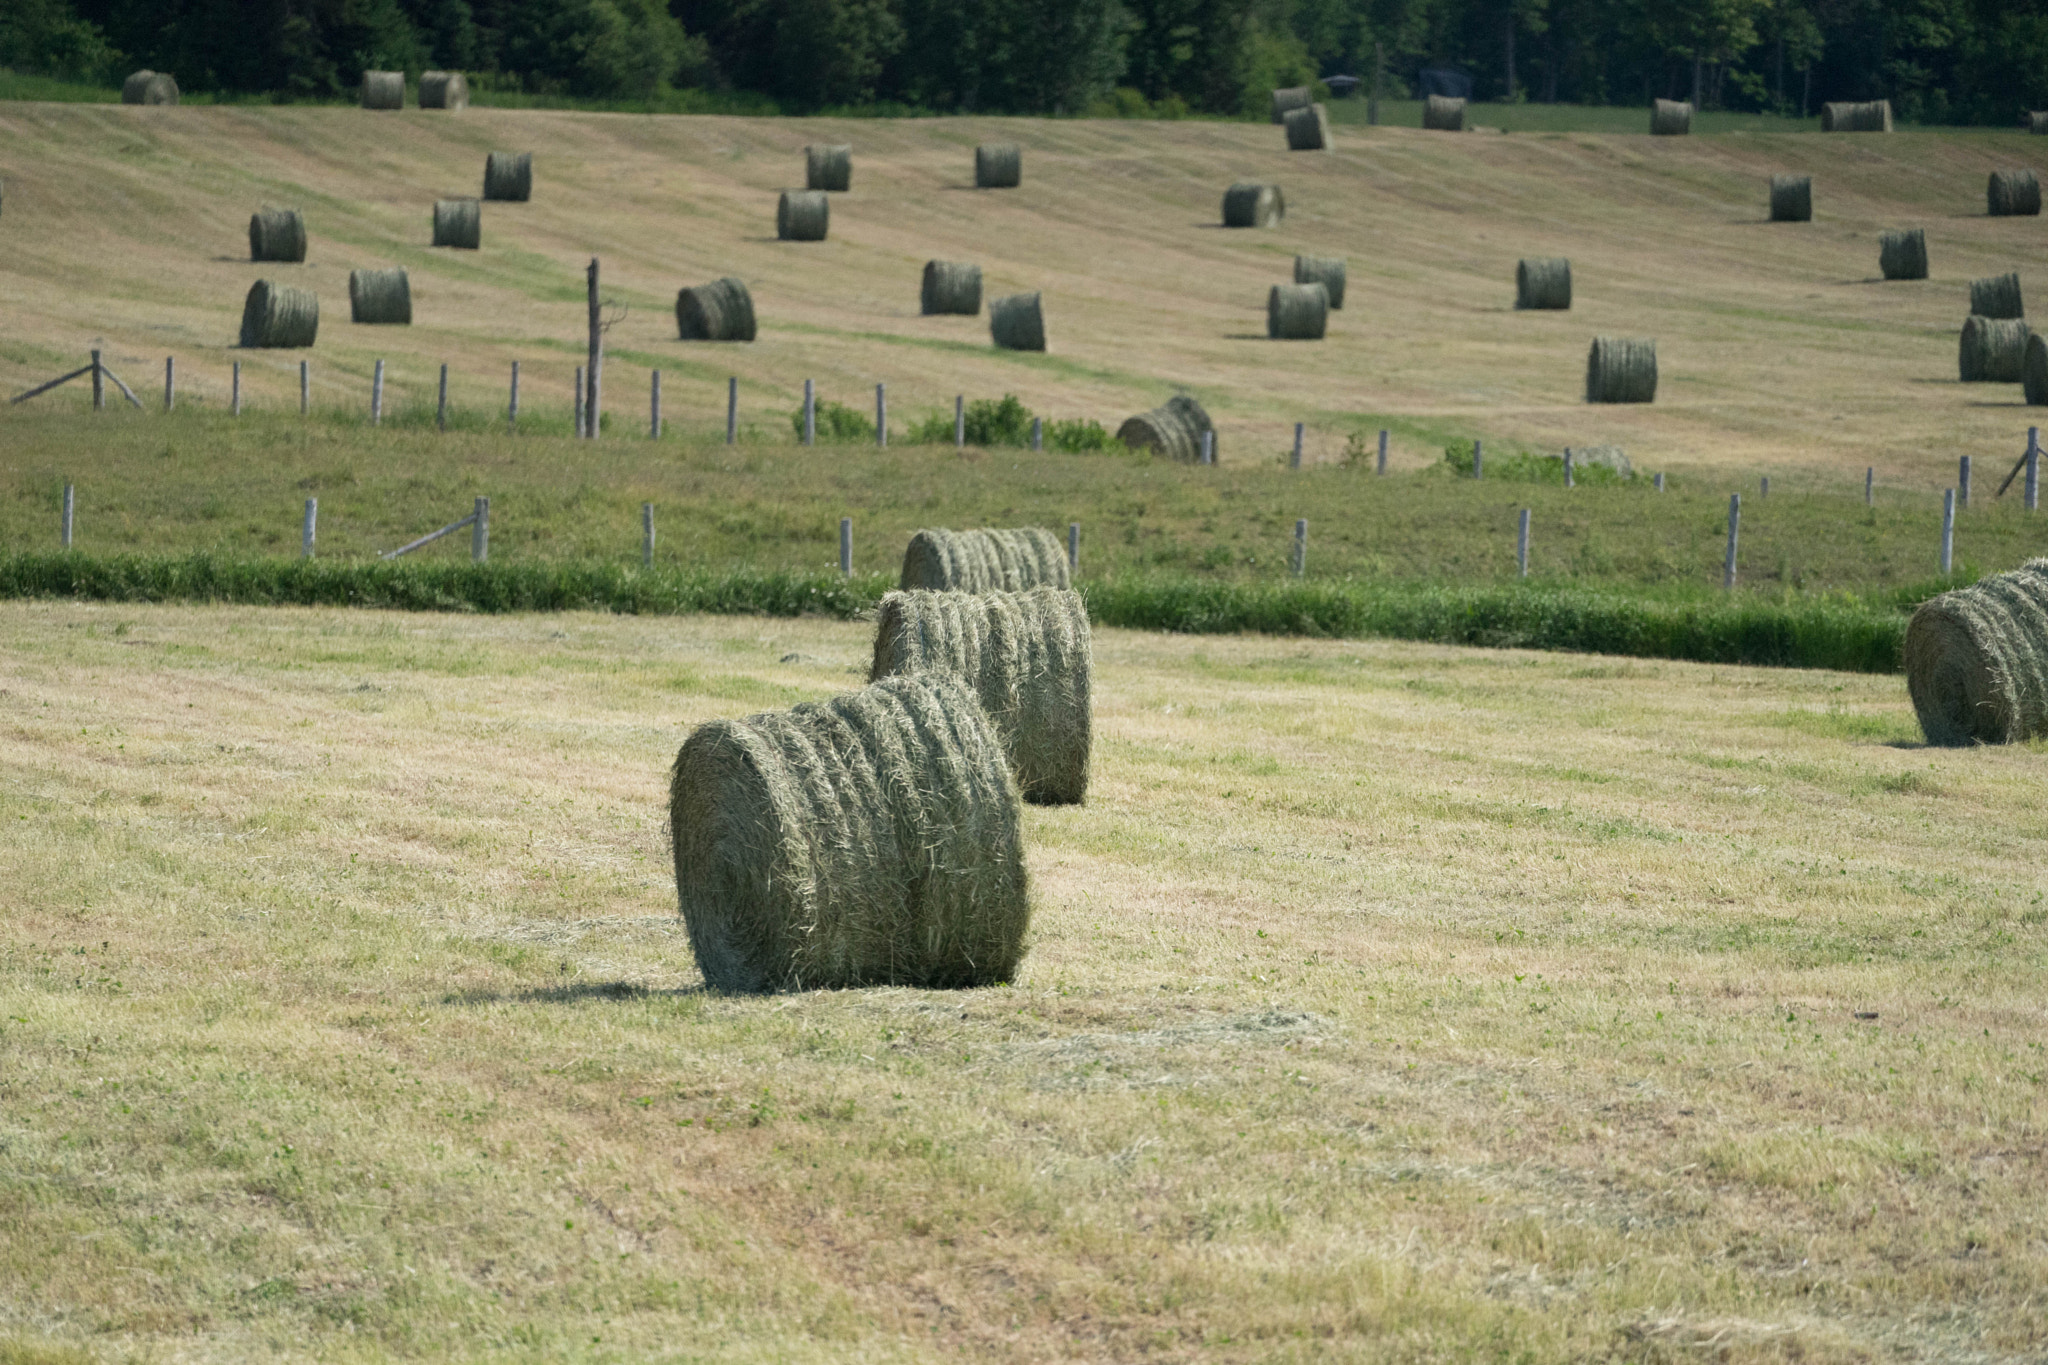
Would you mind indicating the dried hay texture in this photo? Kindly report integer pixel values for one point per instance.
(1902, 255)
(1977, 660)
(149, 87)
(1992, 350)
(1543, 282)
(1288, 99)
(380, 297)
(722, 310)
(458, 223)
(1670, 118)
(508, 177)
(277, 235)
(1328, 271)
(2034, 370)
(873, 839)
(1028, 658)
(1014, 560)
(951, 287)
(1308, 130)
(444, 90)
(277, 315)
(1174, 430)
(2013, 194)
(383, 90)
(1297, 312)
(1246, 205)
(1444, 114)
(1017, 323)
(1621, 370)
(803, 216)
(1997, 296)
(829, 167)
(2037, 121)
(1791, 198)
(1873, 116)
(998, 166)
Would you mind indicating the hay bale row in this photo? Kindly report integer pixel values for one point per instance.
(1902, 255)
(1027, 656)
(383, 90)
(1543, 282)
(828, 167)
(1977, 660)
(380, 297)
(1249, 205)
(803, 216)
(1327, 271)
(1670, 118)
(1308, 130)
(149, 87)
(1872, 116)
(873, 839)
(988, 560)
(1621, 370)
(1017, 323)
(444, 90)
(2034, 371)
(458, 223)
(1290, 98)
(1174, 430)
(1444, 114)
(1997, 296)
(1791, 198)
(998, 166)
(1992, 350)
(2013, 194)
(279, 316)
(508, 177)
(951, 287)
(1297, 312)
(277, 235)
(722, 310)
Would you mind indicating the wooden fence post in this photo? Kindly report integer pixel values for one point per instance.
(1522, 545)
(732, 409)
(1764, 488)
(64, 535)
(99, 384)
(1948, 530)
(647, 535)
(654, 406)
(1038, 433)
(1659, 481)
(1870, 485)
(1073, 548)
(170, 381)
(881, 416)
(1382, 467)
(1734, 528)
(593, 405)
(305, 387)
(377, 395)
(1963, 482)
(1208, 447)
(846, 546)
(810, 413)
(307, 530)
(1300, 546)
(1478, 460)
(441, 407)
(959, 420)
(512, 405)
(235, 390)
(1294, 457)
(480, 531)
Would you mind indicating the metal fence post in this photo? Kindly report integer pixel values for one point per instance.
(70, 502)
(1522, 545)
(846, 546)
(1208, 447)
(1300, 546)
(654, 406)
(1478, 460)
(1382, 468)
(306, 532)
(1294, 456)
(647, 535)
(732, 409)
(810, 413)
(1734, 529)
(235, 390)
(441, 407)
(480, 531)
(170, 381)
(881, 416)
(1948, 530)
(377, 395)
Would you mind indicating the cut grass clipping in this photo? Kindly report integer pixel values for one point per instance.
(1621, 370)
(2013, 194)
(989, 560)
(1902, 255)
(1977, 660)
(951, 287)
(1791, 198)
(1327, 271)
(1028, 658)
(1670, 118)
(722, 310)
(1297, 312)
(1870, 116)
(277, 235)
(458, 223)
(1543, 282)
(828, 167)
(1017, 323)
(1249, 205)
(998, 166)
(383, 90)
(803, 216)
(380, 296)
(279, 316)
(1308, 130)
(1997, 296)
(873, 839)
(1173, 429)
(1992, 350)
(508, 177)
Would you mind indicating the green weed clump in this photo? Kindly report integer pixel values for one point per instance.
(1523, 467)
(837, 423)
(1007, 422)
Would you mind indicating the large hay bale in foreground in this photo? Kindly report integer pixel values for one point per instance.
(1297, 312)
(998, 166)
(1028, 658)
(279, 316)
(1902, 255)
(277, 235)
(803, 216)
(2034, 370)
(873, 839)
(1870, 116)
(1621, 370)
(722, 310)
(383, 90)
(1791, 198)
(149, 87)
(828, 167)
(1997, 296)
(1248, 205)
(508, 177)
(458, 223)
(1977, 660)
(444, 90)
(1287, 99)
(1670, 118)
(2013, 194)
(1017, 323)
(1444, 114)
(951, 287)
(989, 560)
(1543, 282)
(380, 297)
(1992, 350)
(1327, 271)
(1308, 130)
(1173, 429)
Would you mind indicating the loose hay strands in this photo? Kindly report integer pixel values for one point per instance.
(1997, 296)
(1977, 660)
(380, 297)
(1902, 255)
(383, 90)
(277, 315)
(2013, 194)
(1173, 429)
(1308, 130)
(828, 167)
(1543, 282)
(1017, 322)
(1288, 99)
(1297, 312)
(1328, 271)
(1873, 116)
(508, 176)
(277, 235)
(1670, 118)
(1621, 370)
(722, 310)
(1028, 658)
(149, 87)
(951, 287)
(2034, 370)
(1992, 350)
(1248, 205)
(873, 839)
(803, 216)
(1791, 198)
(444, 90)
(998, 166)
(1444, 114)
(1013, 560)
(458, 223)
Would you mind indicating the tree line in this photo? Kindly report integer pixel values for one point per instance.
(1938, 61)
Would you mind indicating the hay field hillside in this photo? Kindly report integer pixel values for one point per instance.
(1777, 342)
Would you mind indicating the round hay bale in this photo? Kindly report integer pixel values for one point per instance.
(279, 316)
(1870, 116)
(1017, 323)
(951, 287)
(1028, 658)
(998, 166)
(380, 297)
(722, 310)
(149, 87)
(1444, 114)
(1289, 99)
(2034, 370)
(1328, 271)
(1013, 560)
(1308, 130)
(873, 839)
(1670, 118)
(2037, 122)
(2013, 194)
(1791, 198)
(383, 90)
(277, 235)
(1621, 370)
(1992, 350)
(1246, 205)
(1997, 296)
(1174, 430)
(828, 167)
(1977, 660)
(1297, 312)
(1543, 282)
(1902, 255)
(803, 216)
(458, 223)
(444, 90)
(508, 176)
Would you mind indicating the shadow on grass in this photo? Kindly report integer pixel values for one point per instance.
(572, 994)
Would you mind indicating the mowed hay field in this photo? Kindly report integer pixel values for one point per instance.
(1385, 1002)
(1777, 342)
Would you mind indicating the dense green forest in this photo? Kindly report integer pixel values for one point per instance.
(1939, 61)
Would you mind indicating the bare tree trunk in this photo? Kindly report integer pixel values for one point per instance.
(593, 373)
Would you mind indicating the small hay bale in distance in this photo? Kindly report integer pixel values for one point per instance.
(277, 316)
(1444, 114)
(828, 167)
(277, 235)
(149, 87)
(803, 216)
(1017, 322)
(1992, 350)
(871, 840)
(1670, 118)
(2034, 370)
(1543, 282)
(1977, 660)
(1028, 658)
(1902, 255)
(458, 223)
(951, 287)
(380, 297)
(1288, 99)
(508, 177)
(1327, 271)
(1297, 312)
(1849, 116)
(1173, 429)
(1621, 370)
(998, 166)
(989, 560)
(2013, 194)
(1997, 296)
(2037, 122)
(1308, 130)
(722, 310)
(444, 90)
(1791, 198)
(1249, 205)
(383, 90)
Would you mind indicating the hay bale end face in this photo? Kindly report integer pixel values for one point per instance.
(458, 223)
(381, 297)
(1543, 282)
(1997, 296)
(149, 87)
(722, 310)
(1791, 198)
(1992, 350)
(2034, 371)
(1870, 116)
(508, 177)
(1017, 323)
(1288, 99)
(1173, 429)
(1444, 114)
(803, 216)
(444, 90)
(383, 90)
(2013, 194)
(1297, 312)
(2037, 122)
(1902, 255)
(829, 167)
(1308, 130)
(1248, 205)
(1007, 560)
(873, 839)
(1670, 118)
(277, 235)
(998, 166)
(951, 287)
(1328, 271)
(1977, 660)
(279, 316)
(1027, 656)
(1621, 370)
